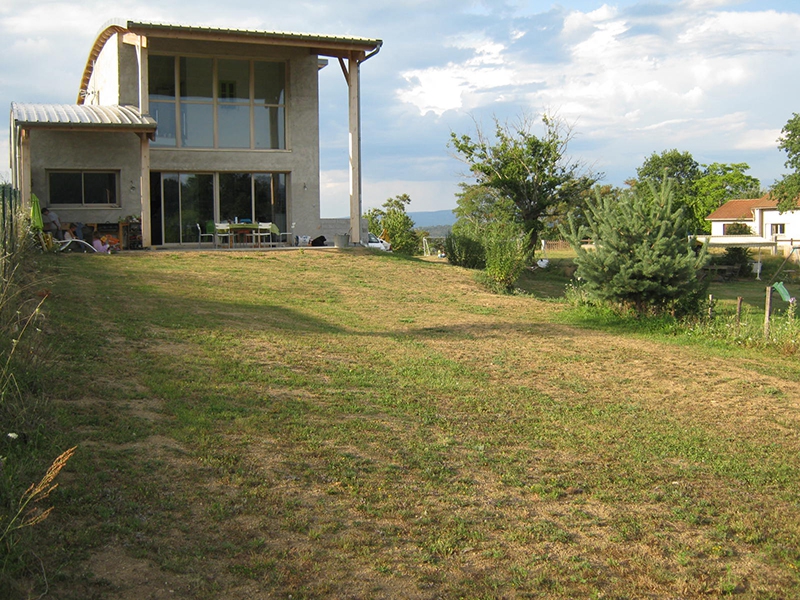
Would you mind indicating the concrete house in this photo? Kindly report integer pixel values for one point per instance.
(177, 126)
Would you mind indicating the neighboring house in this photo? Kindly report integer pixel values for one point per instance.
(767, 223)
(178, 125)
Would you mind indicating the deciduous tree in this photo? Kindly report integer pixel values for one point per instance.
(719, 183)
(532, 171)
(393, 221)
(787, 189)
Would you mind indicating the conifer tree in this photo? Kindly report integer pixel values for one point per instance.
(641, 256)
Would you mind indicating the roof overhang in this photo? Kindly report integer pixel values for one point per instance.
(359, 49)
(81, 118)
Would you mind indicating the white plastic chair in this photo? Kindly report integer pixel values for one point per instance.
(266, 230)
(223, 231)
(207, 234)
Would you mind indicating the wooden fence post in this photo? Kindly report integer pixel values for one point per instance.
(739, 300)
(767, 311)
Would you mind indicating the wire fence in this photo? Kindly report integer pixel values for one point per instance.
(9, 224)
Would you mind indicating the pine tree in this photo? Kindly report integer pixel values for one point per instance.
(641, 256)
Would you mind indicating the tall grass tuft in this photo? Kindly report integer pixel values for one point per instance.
(24, 443)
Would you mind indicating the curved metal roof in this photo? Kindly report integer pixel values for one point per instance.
(88, 116)
(324, 45)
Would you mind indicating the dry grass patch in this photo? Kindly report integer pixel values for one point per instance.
(348, 424)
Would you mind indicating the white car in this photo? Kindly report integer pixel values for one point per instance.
(373, 241)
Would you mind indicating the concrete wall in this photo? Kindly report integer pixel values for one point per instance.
(790, 219)
(301, 158)
(332, 227)
(103, 86)
(115, 77)
(85, 151)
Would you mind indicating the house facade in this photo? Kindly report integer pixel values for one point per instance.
(178, 128)
(766, 222)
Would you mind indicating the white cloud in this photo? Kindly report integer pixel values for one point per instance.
(689, 75)
(758, 139)
(717, 78)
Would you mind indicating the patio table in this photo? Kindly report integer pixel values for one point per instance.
(255, 231)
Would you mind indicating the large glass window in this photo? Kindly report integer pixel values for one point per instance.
(223, 103)
(233, 109)
(235, 197)
(161, 81)
(75, 187)
(270, 105)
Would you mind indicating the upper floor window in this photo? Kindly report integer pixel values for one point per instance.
(218, 103)
(83, 187)
(778, 229)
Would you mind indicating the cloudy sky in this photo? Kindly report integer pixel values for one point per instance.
(716, 78)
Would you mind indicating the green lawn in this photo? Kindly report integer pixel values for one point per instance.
(348, 424)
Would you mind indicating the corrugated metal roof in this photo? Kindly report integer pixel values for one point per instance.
(742, 209)
(293, 36)
(74, 115)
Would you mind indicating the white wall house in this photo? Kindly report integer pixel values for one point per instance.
(768, 225)
(179, 125)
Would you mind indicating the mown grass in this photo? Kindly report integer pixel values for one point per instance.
(354, 424)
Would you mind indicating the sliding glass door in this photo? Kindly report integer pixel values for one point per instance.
(253, 197)
(181, 201)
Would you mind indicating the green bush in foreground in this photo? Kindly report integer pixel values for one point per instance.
(24, 413)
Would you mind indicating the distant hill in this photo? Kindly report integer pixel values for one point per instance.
(433, 218)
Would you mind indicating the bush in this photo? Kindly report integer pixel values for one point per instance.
(737, 256)
(506, 255)
(393, 222)
(464, 251)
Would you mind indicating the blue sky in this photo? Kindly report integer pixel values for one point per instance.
(717, 78)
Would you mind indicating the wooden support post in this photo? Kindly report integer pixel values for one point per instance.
(711, 306)
(767, 311)
(739, 301)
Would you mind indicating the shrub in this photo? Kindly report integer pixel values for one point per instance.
(464, 251)
(738, 256)
(392, 221)
(506, 255)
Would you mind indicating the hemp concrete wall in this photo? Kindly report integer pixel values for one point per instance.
(103, 86)
(301, 158)
(115, 76)
(88, 151)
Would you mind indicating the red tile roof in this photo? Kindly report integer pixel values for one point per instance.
(741, 210)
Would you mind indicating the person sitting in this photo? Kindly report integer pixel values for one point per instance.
(99, 243)
(71, 240)
(51, 223)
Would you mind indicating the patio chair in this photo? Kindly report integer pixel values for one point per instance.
(73, 246)
(266, 231)
(222, 231)
(209, 234)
